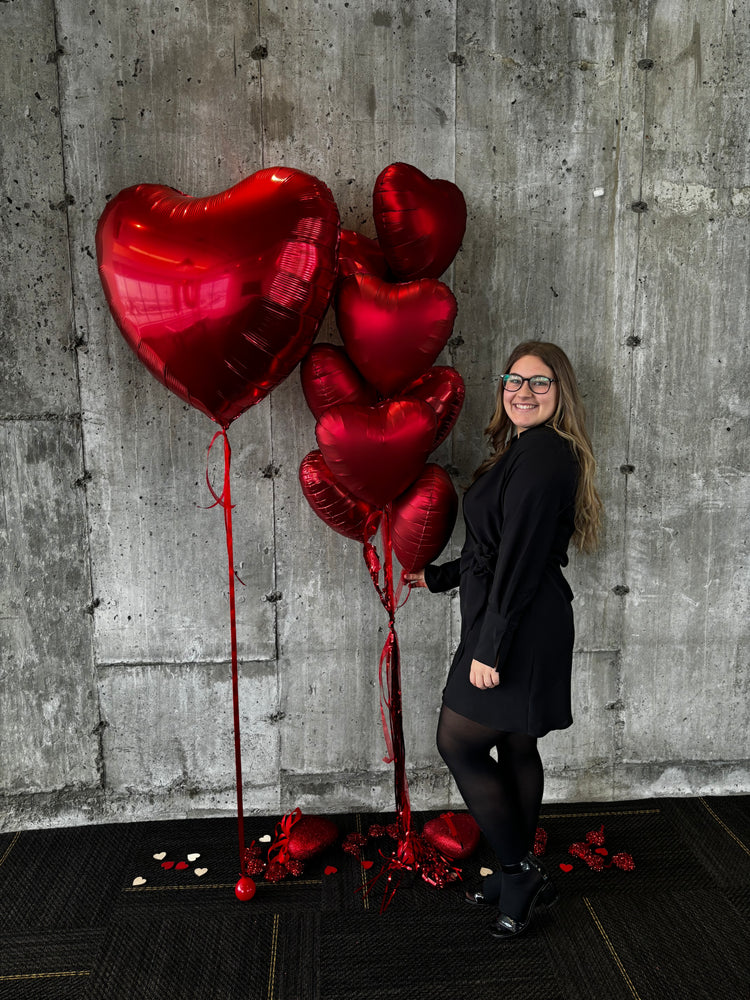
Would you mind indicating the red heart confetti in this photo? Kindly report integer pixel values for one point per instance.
(367, 864)
(330, 870)
(167, 865)
(181, 866)
(566, 867)
(603, 851)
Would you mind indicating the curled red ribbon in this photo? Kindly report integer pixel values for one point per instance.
(279, 849)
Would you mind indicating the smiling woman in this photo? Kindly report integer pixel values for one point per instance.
(509, 682)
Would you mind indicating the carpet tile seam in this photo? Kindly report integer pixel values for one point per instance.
(10, 847)
(588, 815)
(274, 951)
(216, 885)
(365, 894)
(611, 947)
(724, 826)
(13, 977)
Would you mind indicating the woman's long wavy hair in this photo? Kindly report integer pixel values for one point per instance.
(569, 420)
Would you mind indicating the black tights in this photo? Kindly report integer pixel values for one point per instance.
(503, 796)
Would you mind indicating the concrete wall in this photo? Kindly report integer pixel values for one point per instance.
(602, 149)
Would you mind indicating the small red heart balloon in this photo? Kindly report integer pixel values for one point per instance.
(443, 388)
(221, 297)
(393, 333)
(375, 452)
(345, 513)
(359, 254)
(328, 377)
(420, 222)
(423, 518)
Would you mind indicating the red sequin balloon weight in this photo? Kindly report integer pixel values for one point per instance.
(221, 297)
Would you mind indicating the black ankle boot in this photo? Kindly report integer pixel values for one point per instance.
(520, 892)
(489, 893)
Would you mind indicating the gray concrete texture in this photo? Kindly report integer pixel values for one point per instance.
(602, 148)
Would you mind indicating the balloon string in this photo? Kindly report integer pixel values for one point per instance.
(224, 500)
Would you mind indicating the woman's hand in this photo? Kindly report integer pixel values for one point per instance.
(415, 579)
(482, 676)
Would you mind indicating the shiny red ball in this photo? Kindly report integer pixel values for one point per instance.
(245, 889)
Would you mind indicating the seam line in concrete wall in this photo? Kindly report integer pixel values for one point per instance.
(262, 110)
(166, 664)
(73, 341)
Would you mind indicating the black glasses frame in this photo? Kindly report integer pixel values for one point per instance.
(529, 379)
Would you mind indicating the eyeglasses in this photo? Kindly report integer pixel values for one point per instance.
(538, 384)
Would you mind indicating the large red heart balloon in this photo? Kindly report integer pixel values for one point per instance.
(377, 451)
(443, 388)
(393, 333)
(359, 254)
(420, 222)
(423, 518)
(221, 297)
(329, 378)
(346, 514)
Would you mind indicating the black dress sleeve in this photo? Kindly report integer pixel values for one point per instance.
(443, 577)
(537, 492)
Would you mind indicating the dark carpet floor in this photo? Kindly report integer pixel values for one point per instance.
(74, 926)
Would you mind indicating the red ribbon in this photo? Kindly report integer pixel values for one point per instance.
(224, 500)
(279, 849)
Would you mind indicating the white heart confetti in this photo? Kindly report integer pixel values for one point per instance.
(193, 857)
(200, 871)
(160, 857)
(484, 872)
(265, 840)
(139, 881)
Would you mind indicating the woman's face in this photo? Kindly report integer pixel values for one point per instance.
(524, 407)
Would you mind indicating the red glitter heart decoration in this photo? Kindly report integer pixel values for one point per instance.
(310, 835)
(420, 222)
(423, 519)
(375, 452)
(454, 835)
(394, 333)
(221, 297)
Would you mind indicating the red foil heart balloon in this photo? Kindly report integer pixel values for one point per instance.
(420, 222)
(393, 333)
(375, 452)
(455, 835)
(346, 514)
(423, 518)
(221, 297)
(329, 378)
(443, 388)
(359, 254)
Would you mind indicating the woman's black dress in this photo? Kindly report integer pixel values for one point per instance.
(515, 601)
